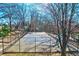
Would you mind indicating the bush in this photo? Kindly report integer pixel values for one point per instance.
(4, 31)
(27, 29)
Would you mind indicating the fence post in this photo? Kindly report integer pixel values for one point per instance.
(50, 46)
(2, 46)
(10, 36)
(19, 41)
(35, 44)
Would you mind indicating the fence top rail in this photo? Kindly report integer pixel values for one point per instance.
(37, 37)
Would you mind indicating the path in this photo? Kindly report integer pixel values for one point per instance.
(35, 42)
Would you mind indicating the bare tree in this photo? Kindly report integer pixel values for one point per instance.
(63, 16)
(21, 14)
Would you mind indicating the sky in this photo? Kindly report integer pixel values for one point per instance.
(31, 6)
(38, 8)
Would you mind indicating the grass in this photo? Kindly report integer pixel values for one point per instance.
(31, 54)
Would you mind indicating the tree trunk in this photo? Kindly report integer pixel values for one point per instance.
(63, 52)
